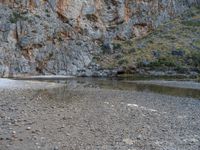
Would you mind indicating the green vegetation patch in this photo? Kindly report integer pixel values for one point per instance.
(16, 16)
(197, 43)
(195, 23)
(92, 17)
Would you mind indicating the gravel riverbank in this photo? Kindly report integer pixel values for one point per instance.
(90, 118)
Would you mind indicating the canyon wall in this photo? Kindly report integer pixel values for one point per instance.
(60, 37)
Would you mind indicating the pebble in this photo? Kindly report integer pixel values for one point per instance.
(42, 138)
(13, 132)
(34, 137)
(28, 128)
(33, 132)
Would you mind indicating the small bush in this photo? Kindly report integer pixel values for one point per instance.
(123, 62)
(193, 23)
(198, 78)
(92, 17)
(96, 58)
(159, 63)
(117, 46)
(181, 69)
(196, 43)
(106, 49)
(37, 16)
(16, 16)
(46, 10)
(196, 59)
(118, 56)
(48, 15)
(128, 42)
(132, 50)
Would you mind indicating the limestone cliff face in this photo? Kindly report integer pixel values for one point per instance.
(61, 36)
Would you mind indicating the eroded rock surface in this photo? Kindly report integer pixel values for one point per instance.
(61, 36)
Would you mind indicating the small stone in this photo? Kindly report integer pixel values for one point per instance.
(28, 128)
(42, 138)
(33, 132)
(67, 134)
(34, 137)
(13, 132)
(56, 148)
(139, 137)
(128, 141)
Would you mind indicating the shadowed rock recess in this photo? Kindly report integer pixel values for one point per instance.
(64, 37)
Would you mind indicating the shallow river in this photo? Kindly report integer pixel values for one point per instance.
(132, 84)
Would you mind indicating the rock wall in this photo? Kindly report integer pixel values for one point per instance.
(61, 36)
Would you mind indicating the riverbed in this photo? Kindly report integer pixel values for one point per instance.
(90, 113)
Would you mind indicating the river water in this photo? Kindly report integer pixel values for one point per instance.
(131, 84)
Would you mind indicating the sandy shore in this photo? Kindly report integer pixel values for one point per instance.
(90, 118)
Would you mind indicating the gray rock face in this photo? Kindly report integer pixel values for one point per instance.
(61, 36)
